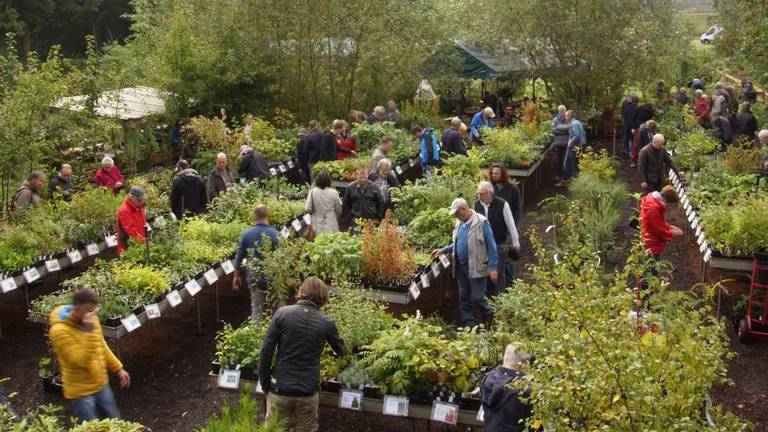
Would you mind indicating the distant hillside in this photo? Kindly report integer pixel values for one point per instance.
(696, 6)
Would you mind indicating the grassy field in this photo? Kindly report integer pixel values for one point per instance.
(699, 22)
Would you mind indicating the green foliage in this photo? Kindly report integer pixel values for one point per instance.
(241, 346)
(346, 307)
(414, 197)
(284, 268)
(334, 256)
(44, 418)
(431, 229)
(463, 166)
(517, 146)
(242, 418)
(738, 229)
(108, 425)
(595, 370)
(597, 164)
(343, 170)
(274, 149)
(692, 149)
(137, 278)
(742, 159)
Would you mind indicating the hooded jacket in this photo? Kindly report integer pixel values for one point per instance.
(188, 194)
(656, 231)
(503, 410)
(84, 357)
(109, 178)
(130, 223)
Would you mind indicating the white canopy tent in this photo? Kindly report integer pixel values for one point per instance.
(126, 104)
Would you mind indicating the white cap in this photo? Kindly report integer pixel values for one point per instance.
(489, 112)
(457, 204)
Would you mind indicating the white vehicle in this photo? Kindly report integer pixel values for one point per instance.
(710, 35)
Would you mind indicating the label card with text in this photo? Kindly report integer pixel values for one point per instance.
(152, 310)
(399, 170)
(229, 379)
(307, 218)
(435, 269)
(445, 412)
(296, 224)
(703, 246)
(92, 249)
(290, 164)
(707, 255)
(74, 256)
(52, 265)
(8, 285)
(424, 280)
(31, 275)
(282, 168)
(273, 171)
(210, 276)
(351, 399)
(174, 299)
(445, 261)
(414, 290)
(111, 240)
(192, 287)
(228, 267)
(395, 406)
(131, 322)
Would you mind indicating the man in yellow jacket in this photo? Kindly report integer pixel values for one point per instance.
(85, 358)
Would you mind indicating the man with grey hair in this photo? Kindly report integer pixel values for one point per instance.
(475, 258)
(451, 139)
(653, 163)
(499, 215)
(504, 407)
(762, 137)
(379, 115)
(28, 195)
(219, 178)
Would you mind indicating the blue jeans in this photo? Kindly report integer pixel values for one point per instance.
(100, 405)
(471, 291)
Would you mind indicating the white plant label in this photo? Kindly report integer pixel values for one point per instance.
(273, 171)
(8, 285)
(174, 299)
(424, 280)
(210, 276)
(282, 168)
(111, 240)
(52, 265)
(172, 216)
(152, 310)
(131, 322)
(92, 249)
(445, 413)
(435, 269)
(229, 379)
(228, 267)
(351, 399)
(480, 415)
(708, 255)
(296, 224)
(414, 290)
(395, 406)
(284, 233)
(698, 231)
(193, 287)
(686, 205)
(688, 211)
(75, 256)
(690, 218)
(703, 247)
(290, 164)
(701, 238)
(259, 388)
(307, 218)
(31, 275)
(399, 170)
(159, 221)
(445, 261)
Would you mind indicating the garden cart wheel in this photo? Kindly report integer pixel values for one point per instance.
(742, 332)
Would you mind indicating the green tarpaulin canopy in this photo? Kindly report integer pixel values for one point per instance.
(477, 63)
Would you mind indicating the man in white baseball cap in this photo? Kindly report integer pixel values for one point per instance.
(475, 257)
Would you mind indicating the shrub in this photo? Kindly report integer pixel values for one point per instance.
(387, 257)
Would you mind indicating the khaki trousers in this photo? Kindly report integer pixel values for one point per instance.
(302, 411)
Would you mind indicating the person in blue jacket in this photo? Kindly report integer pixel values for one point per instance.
(430, 149)
(475, 259)
(252, 239)
(505, 407)
(480, 120)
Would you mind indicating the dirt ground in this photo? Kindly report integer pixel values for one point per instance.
(169, 359)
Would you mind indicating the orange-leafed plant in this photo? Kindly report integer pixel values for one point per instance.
(387, 256)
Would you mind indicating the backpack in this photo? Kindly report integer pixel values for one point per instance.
(429, 141)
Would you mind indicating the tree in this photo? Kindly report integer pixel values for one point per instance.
(587, 50)
(745, 35)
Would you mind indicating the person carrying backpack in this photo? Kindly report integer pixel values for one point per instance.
(430, 151)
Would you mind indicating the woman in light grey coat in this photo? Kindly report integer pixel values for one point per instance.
(324, 205)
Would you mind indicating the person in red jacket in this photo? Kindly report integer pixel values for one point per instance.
(657, 232)
(109, 175)
(345, 143)
(131, 219)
